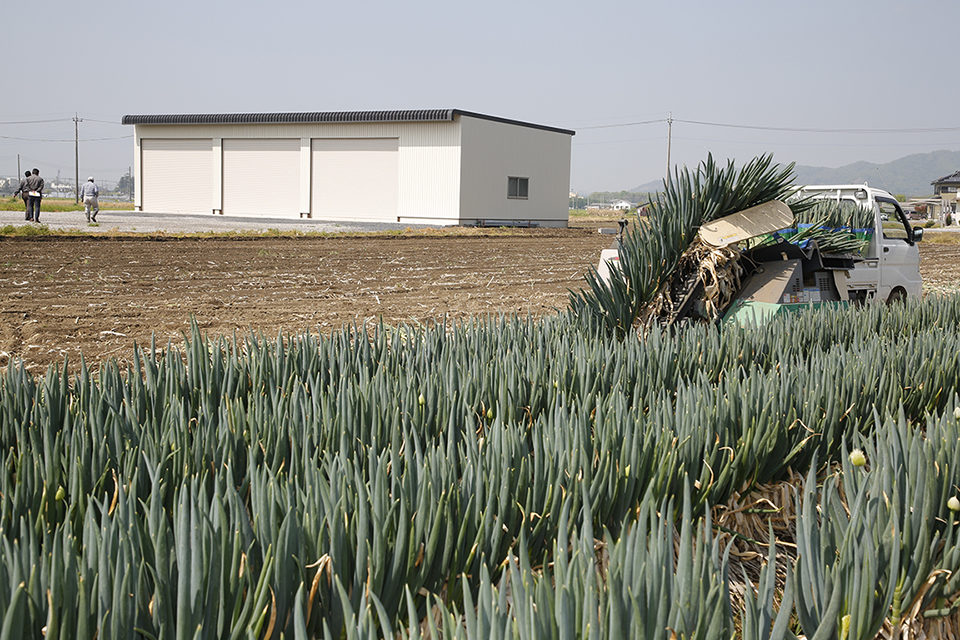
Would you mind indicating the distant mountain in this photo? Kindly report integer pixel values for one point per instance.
(910, 175)
(649, 187)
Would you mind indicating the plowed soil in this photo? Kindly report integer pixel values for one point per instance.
(63, 296)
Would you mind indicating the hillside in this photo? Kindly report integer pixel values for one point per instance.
(910, 175)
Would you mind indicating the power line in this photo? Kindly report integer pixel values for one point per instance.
(112, 138)
(105, 121)
(64, 139)
(36, 139)
(941, 143)
(730, 125)
(626, 124)
(59, 120)
(35, 121)
(581, 143)
(816, 130)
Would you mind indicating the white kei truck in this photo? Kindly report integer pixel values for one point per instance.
(887, 269)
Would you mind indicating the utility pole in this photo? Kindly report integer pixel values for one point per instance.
(669, 142)
(76, 155)
(19, 173)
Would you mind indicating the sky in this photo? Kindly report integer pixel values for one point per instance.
(825, 71)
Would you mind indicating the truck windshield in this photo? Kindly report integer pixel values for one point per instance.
(894, 225)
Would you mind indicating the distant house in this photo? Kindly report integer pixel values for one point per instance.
(925, 207)
(622, 205)
(946, 184)
(947, 187)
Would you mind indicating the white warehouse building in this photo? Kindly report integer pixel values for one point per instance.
(436, 166)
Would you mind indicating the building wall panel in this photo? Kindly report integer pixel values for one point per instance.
(428, 158)
(447, 172)
(176, 175)
(355, 179)
(492, 151)
(261, 177)
(430, 174)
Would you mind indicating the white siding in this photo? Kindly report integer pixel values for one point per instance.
(216, 176)
(261, 177)
(175, 175)
(493, 151)
(430, 174)
(428, 158)
(355, 179)
(138, 176)
(305, 177)
(446, 172)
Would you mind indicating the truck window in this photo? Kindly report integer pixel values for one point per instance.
(851, 210)
(894, 227)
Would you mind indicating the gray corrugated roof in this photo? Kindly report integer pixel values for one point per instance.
(953, 177)
(403, 115)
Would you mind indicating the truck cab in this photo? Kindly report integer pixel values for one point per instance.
(889, 267)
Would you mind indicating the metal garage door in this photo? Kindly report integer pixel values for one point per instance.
(355, 179)
(177, 175)
(261, 177)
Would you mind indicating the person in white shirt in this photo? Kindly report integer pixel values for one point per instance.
(90, 195)
(34, 187)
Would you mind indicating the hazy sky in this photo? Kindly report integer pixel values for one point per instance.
(798, 65)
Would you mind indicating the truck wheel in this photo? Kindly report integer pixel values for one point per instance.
(899, 294)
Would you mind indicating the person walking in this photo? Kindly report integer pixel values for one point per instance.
(22, 192)
(90, 194)
(34, 186)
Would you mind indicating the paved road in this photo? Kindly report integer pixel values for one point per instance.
(113, 221)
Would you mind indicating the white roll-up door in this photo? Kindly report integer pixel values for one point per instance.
(177, 175)
(355, 179)
(261, 177)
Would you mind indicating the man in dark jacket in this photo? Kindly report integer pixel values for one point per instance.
(22, 192)
(34, 185)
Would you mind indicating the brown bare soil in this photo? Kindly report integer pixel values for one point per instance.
(940, 267)
(97, 296)
(65, 296)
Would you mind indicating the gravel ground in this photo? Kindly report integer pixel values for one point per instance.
(113, 221)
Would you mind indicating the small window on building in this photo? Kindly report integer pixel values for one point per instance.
(518, 187)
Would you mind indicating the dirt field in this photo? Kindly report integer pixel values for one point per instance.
(940, 267)
(97, 296)
(64, 296)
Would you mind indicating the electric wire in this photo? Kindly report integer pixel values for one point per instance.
(64, 139)
(103, 121)
(625, 124)
(730, 125)
(35, 121)
(818, 130)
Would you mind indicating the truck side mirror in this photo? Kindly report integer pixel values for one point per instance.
(917, 234)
